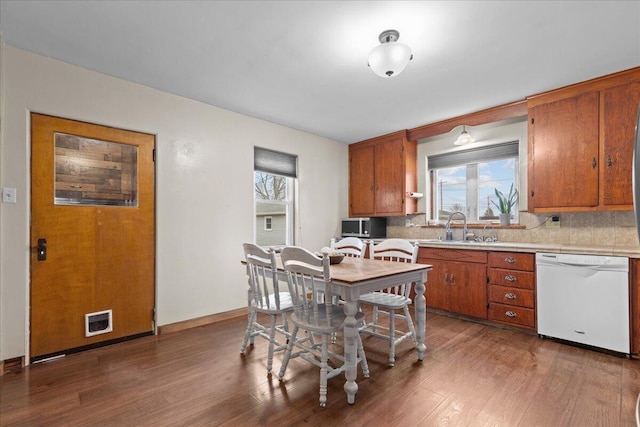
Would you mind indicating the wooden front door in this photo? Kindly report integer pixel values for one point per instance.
(92, 235)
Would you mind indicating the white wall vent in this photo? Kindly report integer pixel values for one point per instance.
(98, 323)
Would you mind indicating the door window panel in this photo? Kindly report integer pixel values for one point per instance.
(94, 172)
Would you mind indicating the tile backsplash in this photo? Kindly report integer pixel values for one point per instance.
(610, 228)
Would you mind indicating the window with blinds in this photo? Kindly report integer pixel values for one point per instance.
(274, 179)
(466, 181)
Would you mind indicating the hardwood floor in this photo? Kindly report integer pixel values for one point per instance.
(473, 375)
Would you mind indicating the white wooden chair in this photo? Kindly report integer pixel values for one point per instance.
(310, 287)
(264, 297)
(393, 299)
(349, 246)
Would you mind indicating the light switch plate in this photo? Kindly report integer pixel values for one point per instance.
(8, 195)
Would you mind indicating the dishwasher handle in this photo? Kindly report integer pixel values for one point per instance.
(599, 267)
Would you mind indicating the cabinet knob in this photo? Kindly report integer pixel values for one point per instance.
(510, 295)
(510, 260)
(510, 278)
(594, 164)
(609, 162)
(511, 313)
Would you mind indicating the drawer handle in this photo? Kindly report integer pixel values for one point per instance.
(510, 295)
(510, 278)
(510, 260)
(511, 314)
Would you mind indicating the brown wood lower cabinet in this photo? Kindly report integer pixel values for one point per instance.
(458, 281)
(512, 298)
(498, 286)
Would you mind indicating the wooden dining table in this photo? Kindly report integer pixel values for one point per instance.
(354, 277)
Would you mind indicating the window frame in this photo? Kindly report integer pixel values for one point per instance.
(285, 165)
(470, 159)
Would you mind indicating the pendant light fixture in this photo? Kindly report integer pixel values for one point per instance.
(390, 58)
(464, 138)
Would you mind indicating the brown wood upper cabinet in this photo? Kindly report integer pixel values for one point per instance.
(382, 171)
(581, 145)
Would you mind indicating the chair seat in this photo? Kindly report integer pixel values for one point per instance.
(385, 300)
(268, 304)
(321, 325)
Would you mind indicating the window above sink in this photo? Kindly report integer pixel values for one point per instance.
(464, 178)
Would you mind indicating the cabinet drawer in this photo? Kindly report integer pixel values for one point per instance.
(511, 278)
(512, 314)
(511, 296)
(512, 260)
(464, 255)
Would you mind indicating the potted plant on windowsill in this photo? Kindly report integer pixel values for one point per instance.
(505, 204)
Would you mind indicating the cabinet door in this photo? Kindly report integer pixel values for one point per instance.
(437, 286)
(361, 186)
(389, 178)
(468, 289)
(564, 153)
(620, 104)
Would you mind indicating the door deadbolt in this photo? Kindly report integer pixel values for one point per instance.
(42, 249)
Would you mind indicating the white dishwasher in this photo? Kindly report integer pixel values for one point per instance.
(584, 299)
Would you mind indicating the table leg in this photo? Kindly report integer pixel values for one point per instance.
(350, 350)
(421, 318)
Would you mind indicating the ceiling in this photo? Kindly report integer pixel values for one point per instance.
(303, 64)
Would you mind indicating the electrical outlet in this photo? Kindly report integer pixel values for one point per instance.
(553, 222)
(407, 222)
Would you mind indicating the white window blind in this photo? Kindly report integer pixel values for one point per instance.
(474, 155)
(275, 162)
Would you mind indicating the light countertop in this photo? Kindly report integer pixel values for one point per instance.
(628, 251)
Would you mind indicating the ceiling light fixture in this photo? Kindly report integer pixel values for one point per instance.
(464, 138)
(390, 58)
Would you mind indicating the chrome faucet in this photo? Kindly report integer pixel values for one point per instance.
(464, 227)
(494, 236)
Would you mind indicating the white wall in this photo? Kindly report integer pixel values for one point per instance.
(204, 184)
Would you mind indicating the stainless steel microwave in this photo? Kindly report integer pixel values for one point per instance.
(374, 227)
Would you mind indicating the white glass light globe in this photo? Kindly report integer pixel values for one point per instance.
(389, 59)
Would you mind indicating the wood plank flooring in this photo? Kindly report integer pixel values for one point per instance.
(473, 375)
